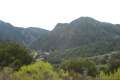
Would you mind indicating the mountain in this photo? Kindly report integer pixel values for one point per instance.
(84, 36)
(32, 34)
(82, 31)
(21, 35)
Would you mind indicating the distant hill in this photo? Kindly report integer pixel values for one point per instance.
(82, 31)
(84, 36)
(25, 36)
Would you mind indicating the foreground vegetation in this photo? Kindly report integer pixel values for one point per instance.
(17, 63)
(44, 71)
(110, 76)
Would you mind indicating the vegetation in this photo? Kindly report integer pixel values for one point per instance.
(37, 71)
(82, 66)
(22, 67)
(84, 49)
(40, 71)
(89, 50)
(14, 55)
(110, 76)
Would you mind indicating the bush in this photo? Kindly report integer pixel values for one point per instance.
(6, 74)
(110, 76)
(37, 71)
(40, 71)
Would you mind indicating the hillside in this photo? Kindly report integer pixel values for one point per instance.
(25, 36)
(82, 49)
(82, 31)
(84, 36)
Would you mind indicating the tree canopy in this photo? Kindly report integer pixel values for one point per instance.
(14, 55)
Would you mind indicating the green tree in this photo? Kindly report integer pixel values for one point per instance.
(83, 66)
(114, 62)
(14, 55)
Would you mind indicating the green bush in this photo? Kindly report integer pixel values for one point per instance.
(37, 71)
(40, 71)
(110, 76)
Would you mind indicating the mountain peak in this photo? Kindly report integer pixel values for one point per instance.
(82, 21)
(85, 20)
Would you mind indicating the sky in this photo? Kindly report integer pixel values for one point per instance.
(47, 13)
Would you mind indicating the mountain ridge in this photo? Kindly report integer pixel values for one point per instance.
(8, 32)
(81, 31)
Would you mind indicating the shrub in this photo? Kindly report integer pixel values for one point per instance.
(37, 71)
(110, 76)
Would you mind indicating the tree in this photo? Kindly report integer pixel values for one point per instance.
(82, 66)
(114, 62)
(14, 55)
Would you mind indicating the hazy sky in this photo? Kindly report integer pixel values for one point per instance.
(47, 13)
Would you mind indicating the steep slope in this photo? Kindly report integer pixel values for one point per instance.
(32, 34)
(21, 35)
(10, 33)
(82, 31)
(82, 37)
